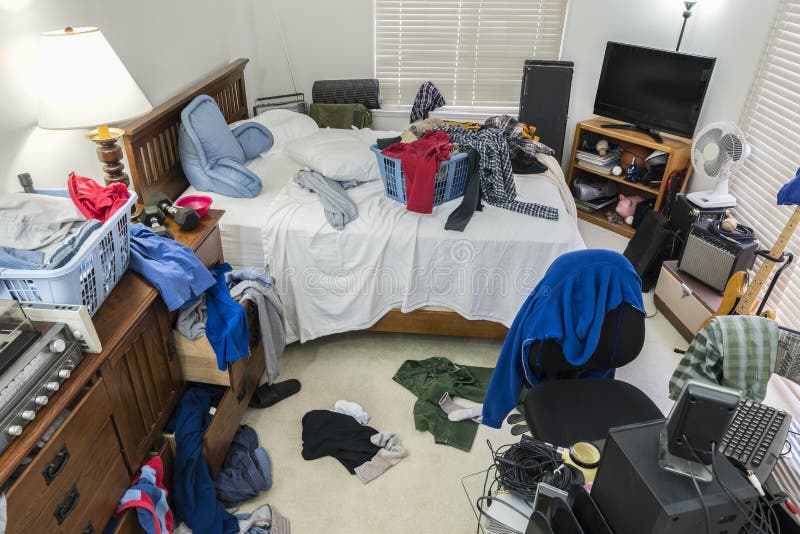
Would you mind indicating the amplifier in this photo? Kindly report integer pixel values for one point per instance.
(684, 214)
(712, 258)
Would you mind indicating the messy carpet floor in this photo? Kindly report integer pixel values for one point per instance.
(423, 493)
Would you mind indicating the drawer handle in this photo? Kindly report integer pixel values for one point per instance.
(67, 505)
(56, 465)
(89, 528)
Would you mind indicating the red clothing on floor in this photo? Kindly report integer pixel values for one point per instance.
(420, 161)
(93, 200)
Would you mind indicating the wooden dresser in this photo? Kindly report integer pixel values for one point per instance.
(118, 402)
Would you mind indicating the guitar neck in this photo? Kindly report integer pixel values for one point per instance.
(750, 298)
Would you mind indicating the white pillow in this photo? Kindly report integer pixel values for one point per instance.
(338, 154)
(284, 125)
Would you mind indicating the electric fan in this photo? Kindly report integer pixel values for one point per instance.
(717, 152)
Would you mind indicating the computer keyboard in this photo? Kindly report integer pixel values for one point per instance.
(756, 437)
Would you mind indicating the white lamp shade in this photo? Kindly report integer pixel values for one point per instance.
(84, 83)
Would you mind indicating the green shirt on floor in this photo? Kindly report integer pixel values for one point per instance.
(428, 380)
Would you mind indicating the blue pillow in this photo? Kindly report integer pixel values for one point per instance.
(212, 156)
(254, 139)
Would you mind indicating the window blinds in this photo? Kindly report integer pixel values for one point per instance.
(771, 123)
(473, 51)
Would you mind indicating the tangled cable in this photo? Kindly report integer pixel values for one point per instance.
(522, 466)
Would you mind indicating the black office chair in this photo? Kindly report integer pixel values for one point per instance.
(563, 409)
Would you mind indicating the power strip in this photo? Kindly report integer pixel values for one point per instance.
(74, 316)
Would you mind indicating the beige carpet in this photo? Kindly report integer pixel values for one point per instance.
(423, 493)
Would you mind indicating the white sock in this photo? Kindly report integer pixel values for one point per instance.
(353, 410)
(465, 413)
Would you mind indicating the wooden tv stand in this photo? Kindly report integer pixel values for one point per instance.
(678, 150)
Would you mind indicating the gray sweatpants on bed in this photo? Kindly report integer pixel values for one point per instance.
(339, 207)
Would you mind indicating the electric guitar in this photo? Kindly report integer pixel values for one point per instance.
(738, 301)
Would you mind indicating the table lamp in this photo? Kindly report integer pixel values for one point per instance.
(85, 85)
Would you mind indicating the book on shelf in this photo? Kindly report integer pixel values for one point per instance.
(612, 155)
(594, 205)
(602, 169)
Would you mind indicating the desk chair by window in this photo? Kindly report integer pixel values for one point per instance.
(564, 409)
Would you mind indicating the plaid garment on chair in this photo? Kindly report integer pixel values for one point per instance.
(735, 351)
(520, 136)
(428, 98)
(497, 179)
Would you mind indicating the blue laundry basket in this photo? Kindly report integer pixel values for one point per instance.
(451, 178)
(88, 277)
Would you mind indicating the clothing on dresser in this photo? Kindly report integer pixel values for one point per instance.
(191, 320)
(339, 207)
(226, 323)
(420, 161)
(497, 178)
(428, 98)
(94, 200)
(59, 254)
(255, 285)
(170, 266)
(29, 221)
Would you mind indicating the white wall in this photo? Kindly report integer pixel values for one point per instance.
(733, 31)
(166, 46)
(335, 40)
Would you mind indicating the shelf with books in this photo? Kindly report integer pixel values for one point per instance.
(618, 179)
(677, 150)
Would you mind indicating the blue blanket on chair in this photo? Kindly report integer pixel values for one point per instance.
(568, 306)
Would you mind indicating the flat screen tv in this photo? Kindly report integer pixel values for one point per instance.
(653, 90)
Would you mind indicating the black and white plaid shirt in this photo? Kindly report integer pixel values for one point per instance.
(428, 98)
(497, 179)
(517, 143)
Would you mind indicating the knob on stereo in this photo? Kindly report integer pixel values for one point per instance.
(14, 430)
(58, 345)
(64, 373)
(52, 386)
(28, 415)
(40, 400)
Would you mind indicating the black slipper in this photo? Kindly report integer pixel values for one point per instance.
(266, 395)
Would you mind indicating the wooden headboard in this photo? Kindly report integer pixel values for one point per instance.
(151, 141)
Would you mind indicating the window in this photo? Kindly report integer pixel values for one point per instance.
(770, 121)
(473, 51)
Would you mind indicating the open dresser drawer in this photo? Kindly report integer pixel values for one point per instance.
(199, 364)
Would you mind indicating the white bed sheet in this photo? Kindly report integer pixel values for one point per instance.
(335, 281)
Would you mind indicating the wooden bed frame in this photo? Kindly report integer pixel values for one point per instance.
(151, 146)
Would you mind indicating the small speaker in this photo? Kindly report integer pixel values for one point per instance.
(544, 101)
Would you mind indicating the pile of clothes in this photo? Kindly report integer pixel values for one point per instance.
(246, 472)
(497, 150)
(343, 434)
(45, 232)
